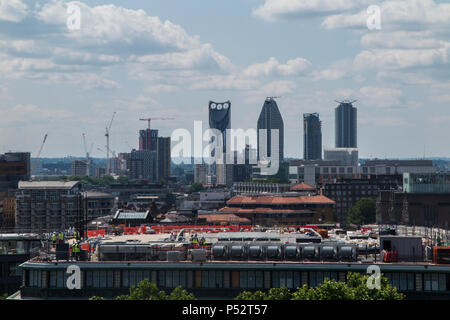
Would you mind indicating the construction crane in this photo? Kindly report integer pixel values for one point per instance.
(150, 119)
(88, 157)
(38, 154)
(108, 130)
(120, 161)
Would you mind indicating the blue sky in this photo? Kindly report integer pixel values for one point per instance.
(169, 58)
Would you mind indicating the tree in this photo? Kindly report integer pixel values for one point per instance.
(355, 288)
(181, 294)
(196, 187)
(96, 298)
(248, 295)
(146, 290)
(364, 211)
(282, 293)
(4, 296)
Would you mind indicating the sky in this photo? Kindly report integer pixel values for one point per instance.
(168, 58)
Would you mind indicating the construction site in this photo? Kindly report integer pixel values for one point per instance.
(221, 262)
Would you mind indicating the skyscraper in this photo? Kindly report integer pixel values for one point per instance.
(163, 158)
(312, 136)
(345, 125)
(270, 118)
(148, 139)
(220, 118)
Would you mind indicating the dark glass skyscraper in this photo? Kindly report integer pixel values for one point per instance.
(345, 125)
(312, 136)
(270, 118)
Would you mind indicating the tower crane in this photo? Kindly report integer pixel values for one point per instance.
(108, 130)
(149, 120)
(120, 161)
(38, 154)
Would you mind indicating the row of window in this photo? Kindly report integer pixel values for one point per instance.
(253, 279)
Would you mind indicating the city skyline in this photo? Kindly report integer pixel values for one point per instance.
(170, 61)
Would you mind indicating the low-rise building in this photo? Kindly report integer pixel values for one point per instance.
(99, 204)
(281, 209)
(47, 206)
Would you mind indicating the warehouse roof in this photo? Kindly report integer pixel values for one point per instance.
(274, 200)
(48, 184)
(131, 215)
(302, 187)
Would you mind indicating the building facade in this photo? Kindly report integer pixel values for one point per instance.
(345, 125)
(78, 168)
(99, 204)
(148, 139)
(144, 165)
(312, 136)
(164, 158)
(424, 201)
(347, 192)
(48, 206)
(321, 172)
(347, 156)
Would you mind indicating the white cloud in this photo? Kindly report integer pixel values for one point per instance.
(401, 40)
(227, 82)
(109, 36)
(401, 58)
(12, 10)
(281, 9)
(30, 113)
(161, 88)
(273, 68)
(200, 58)
(406, 14)
(381, 97)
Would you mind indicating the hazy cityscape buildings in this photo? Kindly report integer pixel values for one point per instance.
(79, 168)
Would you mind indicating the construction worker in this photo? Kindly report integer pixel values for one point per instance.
(75, 235)
(61, 238)
(195, 239)
(76, 250)
(202, 241)
(53, 238)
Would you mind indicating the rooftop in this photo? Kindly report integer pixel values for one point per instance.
(302, 187)
(67, 185)
(274, 200)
